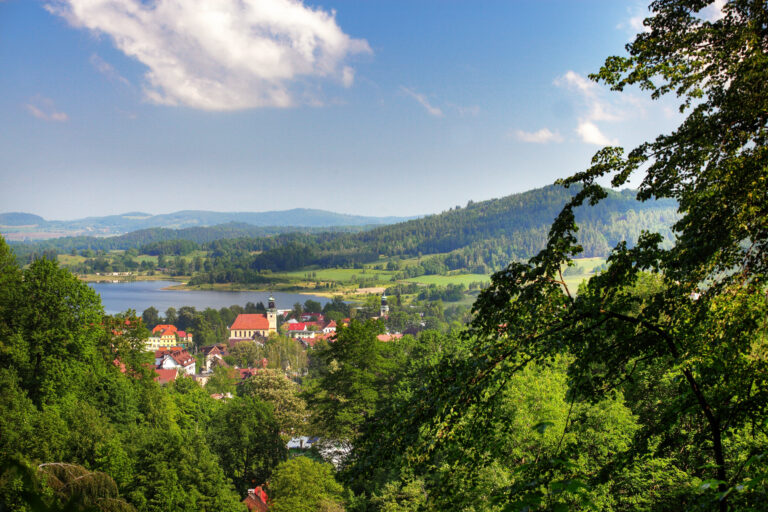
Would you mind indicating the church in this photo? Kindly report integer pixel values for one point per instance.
(251, 326)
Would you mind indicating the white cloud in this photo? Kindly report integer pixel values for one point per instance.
(106, 69)
(591, 134)
(43, 108)
(596, 108)
(538, 137)
(431, 109)
(221, 54)
(576, 81)
(714, 11)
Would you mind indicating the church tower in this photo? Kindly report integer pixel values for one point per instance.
(384, 313)
(272, 314)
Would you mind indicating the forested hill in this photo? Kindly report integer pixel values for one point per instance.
(482, 236)
(31, 227)
(522, 217)
(196, 235)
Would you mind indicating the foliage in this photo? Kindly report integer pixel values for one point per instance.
(246, 437)
(683, 343)
(350, 376)
(78, 401)
(273, 387)
(304, 485)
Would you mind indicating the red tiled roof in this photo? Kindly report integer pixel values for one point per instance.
(299, 326)
(165, 376)
(332, 323)
(388, 337)
(182, 357)
(247, 372)
(164, 327)
(166, 350)
(250, 322)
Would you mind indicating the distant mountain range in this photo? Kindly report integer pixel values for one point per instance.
(26, 226)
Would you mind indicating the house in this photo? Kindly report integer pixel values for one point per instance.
(257, 500)
(300, 331)
(301, 443)
(250, 372)
(249, 326)
(306, 317)
(175, 358)
(329, 327)
(214, 354)
(166, 335)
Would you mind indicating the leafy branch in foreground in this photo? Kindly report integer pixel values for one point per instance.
(680, 332)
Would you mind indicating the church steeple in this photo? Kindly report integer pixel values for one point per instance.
(384, 306)
(272, 314)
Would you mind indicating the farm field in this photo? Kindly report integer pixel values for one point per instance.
(340, 274)
(464, 279)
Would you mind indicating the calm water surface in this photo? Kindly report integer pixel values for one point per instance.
(139, 295)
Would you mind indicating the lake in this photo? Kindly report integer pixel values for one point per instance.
(139, 295)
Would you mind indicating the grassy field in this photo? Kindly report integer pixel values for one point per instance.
(464, 279)
(340, 275)
(585, 268)
(68, 259)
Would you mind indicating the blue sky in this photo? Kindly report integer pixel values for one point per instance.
(367, 107)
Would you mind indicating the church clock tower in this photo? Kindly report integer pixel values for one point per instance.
(272, 314)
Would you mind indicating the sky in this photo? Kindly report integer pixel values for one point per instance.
(365, 107)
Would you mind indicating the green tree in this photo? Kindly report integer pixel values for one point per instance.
(355, 371)
(247, 353)
(151, 317)
(304, 485)
(273, 387)
(246, 436)
(312, 306)
(691, 342)
(171, 317)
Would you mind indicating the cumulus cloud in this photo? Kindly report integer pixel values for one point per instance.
(591, 134)
(596, 108)
(44, 108)
(714, 11)
(538, 137)
(221, 54)
(423, 101)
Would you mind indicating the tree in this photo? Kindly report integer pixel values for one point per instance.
(246, 436)
(151, 317)
(356, 370)
(246, 353)
(273, 387)
(171, 316)
(312, 306)
(683, 350)
(304, 485)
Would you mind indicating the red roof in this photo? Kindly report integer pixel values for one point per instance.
(166, 350)
(389, 337)
(247, 372)
(257, 500)
(332, 323)
(298, 326)
(250, 322)
(164, 327)
(165, 376)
